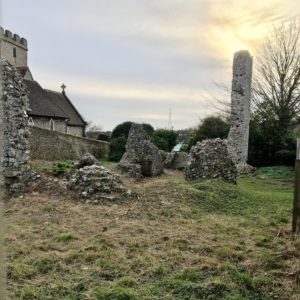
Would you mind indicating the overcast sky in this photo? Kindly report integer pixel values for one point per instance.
(135, 59)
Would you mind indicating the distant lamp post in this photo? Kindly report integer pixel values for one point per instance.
(296, 205)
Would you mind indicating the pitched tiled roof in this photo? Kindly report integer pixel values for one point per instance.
(40, 103)
(62, 101)
(48, 103)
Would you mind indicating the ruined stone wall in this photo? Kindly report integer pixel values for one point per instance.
(238, 137)
(2, 142)
(142, 158)
(210, 159)
(53, 145)
(13, 128)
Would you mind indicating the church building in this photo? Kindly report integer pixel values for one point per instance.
(48, 109)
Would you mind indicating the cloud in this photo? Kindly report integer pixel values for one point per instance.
(245, 24)
(109, 112)
(134, 59)
(92, 87)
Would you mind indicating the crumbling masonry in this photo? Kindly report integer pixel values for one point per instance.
(14, 145)
(210, 159)
(240, 107)
(142, 158)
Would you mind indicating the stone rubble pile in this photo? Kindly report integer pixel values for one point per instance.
(141, 158)
(33, 175)
(210, 159)
(86, 160)
(95, 183)
(245, 169)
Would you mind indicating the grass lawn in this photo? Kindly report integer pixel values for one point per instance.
(173, 240)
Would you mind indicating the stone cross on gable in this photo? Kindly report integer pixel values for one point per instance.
(63, 86)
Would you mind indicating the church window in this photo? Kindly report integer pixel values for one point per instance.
(30, 121)
(51, 124)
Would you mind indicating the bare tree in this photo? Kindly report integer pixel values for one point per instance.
(221, 102)
(93, 127)
(276, 78)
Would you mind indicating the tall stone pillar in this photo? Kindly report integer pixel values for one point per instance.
(14, 144)
(238, 137)
(3, 193)
(2, 143)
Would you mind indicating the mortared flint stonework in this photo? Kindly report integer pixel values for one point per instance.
(141, 158)
(238, 137)
(210, 159)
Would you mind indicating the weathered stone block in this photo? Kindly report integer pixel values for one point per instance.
(140, 151)
(240, 107)
(176, 160)
(210, 159)
(13, 129)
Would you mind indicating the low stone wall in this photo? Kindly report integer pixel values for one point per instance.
(52, 145)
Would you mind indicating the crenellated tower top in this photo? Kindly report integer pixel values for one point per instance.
(13, 48)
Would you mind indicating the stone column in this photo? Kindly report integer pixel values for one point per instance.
(2, 193)
(2, 179)
(14, 132)
(238, 137)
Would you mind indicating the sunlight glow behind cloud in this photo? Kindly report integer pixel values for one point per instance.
(244, 25)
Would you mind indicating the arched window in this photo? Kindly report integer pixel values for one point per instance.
(30, 121)
(15, 52)
(51, 124)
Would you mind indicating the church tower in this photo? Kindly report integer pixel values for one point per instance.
(13, 48)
